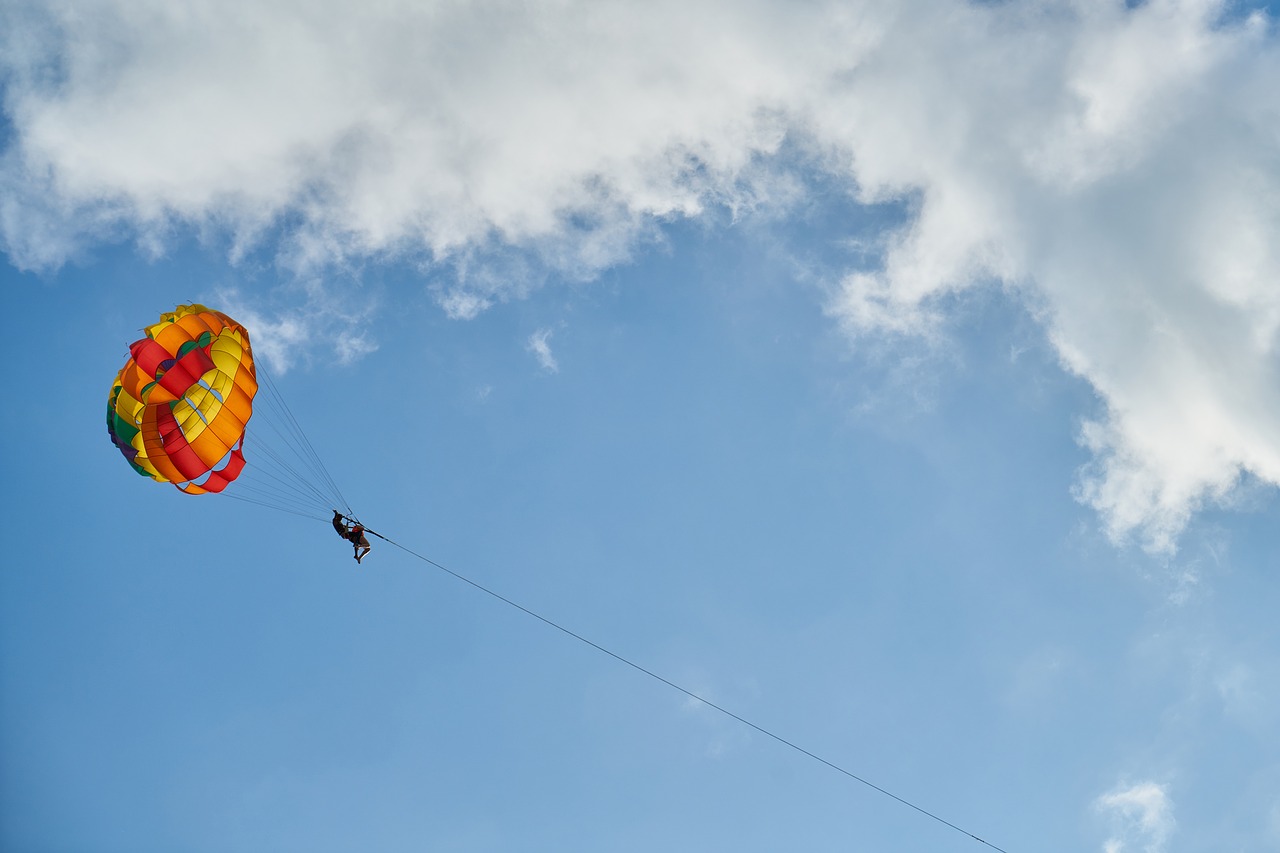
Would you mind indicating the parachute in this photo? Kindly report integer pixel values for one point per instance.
(179, 407)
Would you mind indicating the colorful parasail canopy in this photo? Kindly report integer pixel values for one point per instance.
(179, 406)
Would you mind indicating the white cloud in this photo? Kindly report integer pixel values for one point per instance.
(351, 346)
(317, 320)
(441, 129)
(1142, 818)
(1114, 167)
(463, 306)
(541, 350)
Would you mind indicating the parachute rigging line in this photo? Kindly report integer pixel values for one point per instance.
(689, 693)
(287, 473)
(276, 506)
(309, 455)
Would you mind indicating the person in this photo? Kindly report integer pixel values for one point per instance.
(353, 532)
(359, 540)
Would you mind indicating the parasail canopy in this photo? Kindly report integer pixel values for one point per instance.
(179, 406)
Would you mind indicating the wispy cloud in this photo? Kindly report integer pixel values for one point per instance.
(1114, 167)
(537, 344)
(317, 320)
(1142, 818)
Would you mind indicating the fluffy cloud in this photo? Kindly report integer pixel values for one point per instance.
(448, 128)
(1142, 817)
(1116, 168)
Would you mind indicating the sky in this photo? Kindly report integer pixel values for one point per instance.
(899, 376)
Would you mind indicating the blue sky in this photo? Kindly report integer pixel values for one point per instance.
(900, 377)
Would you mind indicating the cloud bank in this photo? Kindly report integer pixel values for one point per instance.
(1117, 169)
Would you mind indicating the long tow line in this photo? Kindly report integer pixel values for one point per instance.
(306, 488)
(689, 693)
